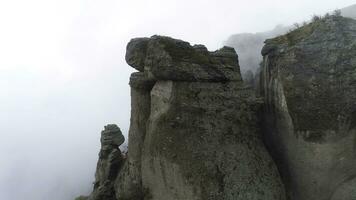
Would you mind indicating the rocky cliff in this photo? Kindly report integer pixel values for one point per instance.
(198, 132)
(195, 135)
(249, 45)
(308, 81)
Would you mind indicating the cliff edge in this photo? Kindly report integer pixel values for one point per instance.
(198, 132)
(308, 81)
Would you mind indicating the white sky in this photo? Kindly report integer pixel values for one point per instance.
(63, 75)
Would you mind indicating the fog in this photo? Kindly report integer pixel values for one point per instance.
(63, 76)
(249, 45)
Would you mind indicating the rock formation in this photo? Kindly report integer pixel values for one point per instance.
(198, 132)
(308, 83)
(195, 131)
(109, 164)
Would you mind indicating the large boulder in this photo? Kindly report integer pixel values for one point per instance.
(111, 137)
(165, 58)
(308, 81)
(136, 53)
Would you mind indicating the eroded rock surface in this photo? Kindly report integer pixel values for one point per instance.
(129, 182)
(308, 81)
(194, 132)
(164, 58)
(109, 163)
(203, 142)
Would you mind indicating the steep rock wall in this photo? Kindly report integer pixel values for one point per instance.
(129, 182)
(308, 83)
(194, 132)
(203, 142)
(202, 139)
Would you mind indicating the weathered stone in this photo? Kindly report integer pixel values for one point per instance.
(170, 59)
(109, 164)
(309, 85)
(193, 136)
(112, 136)
(203, 143)
(195, 130)
(346, 191)
(105, 191)
(129, 184)
(139, 80)
(136, 53)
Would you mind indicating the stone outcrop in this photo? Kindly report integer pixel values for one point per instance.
(129, 182)
(198, 132)
(194, 129)
(109, 164)
(164, 58)
(308, 81)
(194, 132)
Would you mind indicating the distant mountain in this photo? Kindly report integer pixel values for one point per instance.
(349, 11)
(248, 45)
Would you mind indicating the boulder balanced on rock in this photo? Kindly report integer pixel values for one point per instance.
(109, 163)
(164, 58)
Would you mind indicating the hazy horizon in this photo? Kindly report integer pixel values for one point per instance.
(63, 76)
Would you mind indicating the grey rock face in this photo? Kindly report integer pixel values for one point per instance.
(136, 53)
(308, 82)
(111, 137)
(129, 182)
(203, 143)
(139, 81)
(194, 135)
(194, 131)
(109, 163)
(164, 58)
